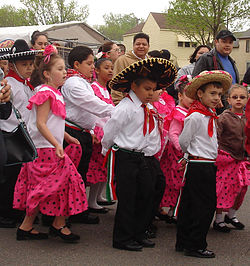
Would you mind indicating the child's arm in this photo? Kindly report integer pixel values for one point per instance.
(69, 139)
(41, 120)
(114, 125)
(174, 133)
(191, 124)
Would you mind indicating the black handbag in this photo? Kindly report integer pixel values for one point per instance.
(18, 143)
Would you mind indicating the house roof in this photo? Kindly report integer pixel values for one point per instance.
(160, 19)
(244, 34)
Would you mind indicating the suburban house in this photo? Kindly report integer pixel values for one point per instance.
(241, 51)
(162, 36)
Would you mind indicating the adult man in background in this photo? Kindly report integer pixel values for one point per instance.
(139, 52)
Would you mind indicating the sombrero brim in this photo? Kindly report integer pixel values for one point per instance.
(205, 77)
(158, 69)
(4, 51)
(21, 55)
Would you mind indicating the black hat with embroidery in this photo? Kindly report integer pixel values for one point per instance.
(4, 51)
(159, 70)
(20, 51)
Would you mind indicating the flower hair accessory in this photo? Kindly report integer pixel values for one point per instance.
(101, 55)
(185, 78)
(48, 51)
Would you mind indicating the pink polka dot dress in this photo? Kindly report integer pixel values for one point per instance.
(50, 183)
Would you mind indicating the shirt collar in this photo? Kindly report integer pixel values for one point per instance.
(135, 99)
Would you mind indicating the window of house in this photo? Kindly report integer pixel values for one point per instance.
(247, 46)
(187, 44)
(180, 44)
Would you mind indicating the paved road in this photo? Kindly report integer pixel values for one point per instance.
(95, 247)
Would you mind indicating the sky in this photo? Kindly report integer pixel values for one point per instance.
(97, 8)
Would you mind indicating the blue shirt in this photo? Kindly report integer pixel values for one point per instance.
(227, 65)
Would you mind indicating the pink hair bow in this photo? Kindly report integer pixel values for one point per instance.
(185, 78)
(48, 51)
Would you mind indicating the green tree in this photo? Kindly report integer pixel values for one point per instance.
(201, 20)
(10, 16)
(117, 24)
(54, 11)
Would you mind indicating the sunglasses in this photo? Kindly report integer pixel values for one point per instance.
(235, 97)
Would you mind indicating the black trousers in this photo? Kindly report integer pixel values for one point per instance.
(7, 186)
(85, 140)
(134, 190)
(159, 183)
(197, 206)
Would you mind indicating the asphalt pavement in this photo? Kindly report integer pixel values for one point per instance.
(95, 247)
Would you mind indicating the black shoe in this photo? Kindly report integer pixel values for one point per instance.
(6, 222)
(162, 217)
(71, 238)
(27, 235)
(200, 253)
(153, 228)
(84, 218)
(131, 246)
(146, 243)
(106, 203)
(101, 211)
(221, 228)
(238, 225)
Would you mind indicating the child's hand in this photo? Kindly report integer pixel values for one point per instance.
(95, 139)
(72, 140)
(60, 151)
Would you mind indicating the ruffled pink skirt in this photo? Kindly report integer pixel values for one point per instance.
(96, 172)
(170, 167)
(232, 179)
(52, 184)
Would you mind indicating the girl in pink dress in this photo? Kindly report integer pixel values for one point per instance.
(50, 184)
(174, 124)
(97, 174)
(233, 175)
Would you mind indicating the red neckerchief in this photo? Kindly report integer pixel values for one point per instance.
(72, 73)
(149, 115)
(14, 75)
(197, 106)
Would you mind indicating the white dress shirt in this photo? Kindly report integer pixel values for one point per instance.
(194, 138)
(125, 128)
(20, 99)
(83, 107)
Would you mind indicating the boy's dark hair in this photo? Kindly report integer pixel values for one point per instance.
(141, 36)
(35, 36)
(140, 80)
(165, 54)
(79, 53)
(155, 53)
(215, 84)
(193, 55)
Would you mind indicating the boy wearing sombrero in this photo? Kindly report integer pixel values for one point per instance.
(134, 135)
(198, 141)
(21, 60)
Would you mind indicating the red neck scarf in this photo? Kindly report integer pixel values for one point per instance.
(14, 75)
(72, 73)
(197, 106)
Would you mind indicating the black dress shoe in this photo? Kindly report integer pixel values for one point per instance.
(149, 234)
(106, 203)
(221, 227)
(6, 222)
(71, 238)
(200, 253)
(234, 221)
(84, 218)
(28, 235)
(101, 211)
(146, 243)
(131, 246)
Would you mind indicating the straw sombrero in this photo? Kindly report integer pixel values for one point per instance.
(158, 69)
(20, 51)
(205, 77)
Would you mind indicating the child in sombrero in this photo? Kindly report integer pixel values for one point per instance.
(133, 132)
(198, 140)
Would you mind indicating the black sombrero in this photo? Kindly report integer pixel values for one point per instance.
(4, 51)
(19, 51)
(158, 69)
